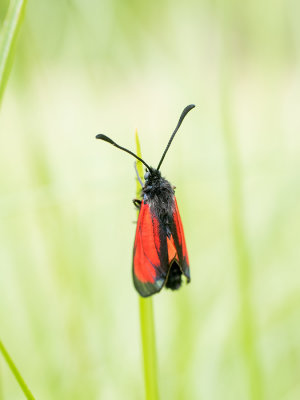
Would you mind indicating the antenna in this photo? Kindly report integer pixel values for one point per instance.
(182, 116)
(107, 139)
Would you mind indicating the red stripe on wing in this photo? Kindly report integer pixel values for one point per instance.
(179, 240)
(172, 252)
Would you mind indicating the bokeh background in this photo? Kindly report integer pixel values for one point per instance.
(68, 310)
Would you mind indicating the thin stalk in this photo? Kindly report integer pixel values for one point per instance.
(16, 372)
(247, 322)
(1, 386)
(242, 253)
(8, 35)
(147, 320)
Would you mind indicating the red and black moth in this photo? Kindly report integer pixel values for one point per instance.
(159, 255)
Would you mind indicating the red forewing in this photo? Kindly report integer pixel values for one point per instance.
(154, 252)
(150, 256)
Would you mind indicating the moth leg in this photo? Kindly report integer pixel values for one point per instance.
(137, 203)
(137, 174)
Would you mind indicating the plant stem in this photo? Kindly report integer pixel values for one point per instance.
(242, 254)
(147, 320)
(8, 35)
(16, 372)
(149, 349)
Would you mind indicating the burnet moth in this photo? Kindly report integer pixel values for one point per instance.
(159, 254)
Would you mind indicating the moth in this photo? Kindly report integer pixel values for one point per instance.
(160, 257)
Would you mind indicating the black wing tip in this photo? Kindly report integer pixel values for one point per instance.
(188, 277)
(147, 289)
(145, 295)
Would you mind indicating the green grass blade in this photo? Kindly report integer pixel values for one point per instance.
(247, 322)
(139, 165)
(149, 348)
(15, 372)
(8, 35)
(147, 319)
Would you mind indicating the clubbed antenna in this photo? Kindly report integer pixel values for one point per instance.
(107, 139)
(183, 115)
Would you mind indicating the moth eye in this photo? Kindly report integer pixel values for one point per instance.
(146, 176)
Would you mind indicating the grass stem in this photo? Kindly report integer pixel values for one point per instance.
(15, 372)
(242, 253)
(147, 321)
(8, 35)
(149, 349)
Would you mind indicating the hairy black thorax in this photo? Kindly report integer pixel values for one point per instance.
(159, 194)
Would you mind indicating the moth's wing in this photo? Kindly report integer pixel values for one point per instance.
(179, 242)
(150, 254)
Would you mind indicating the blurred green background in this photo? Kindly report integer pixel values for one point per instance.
(68, 310)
